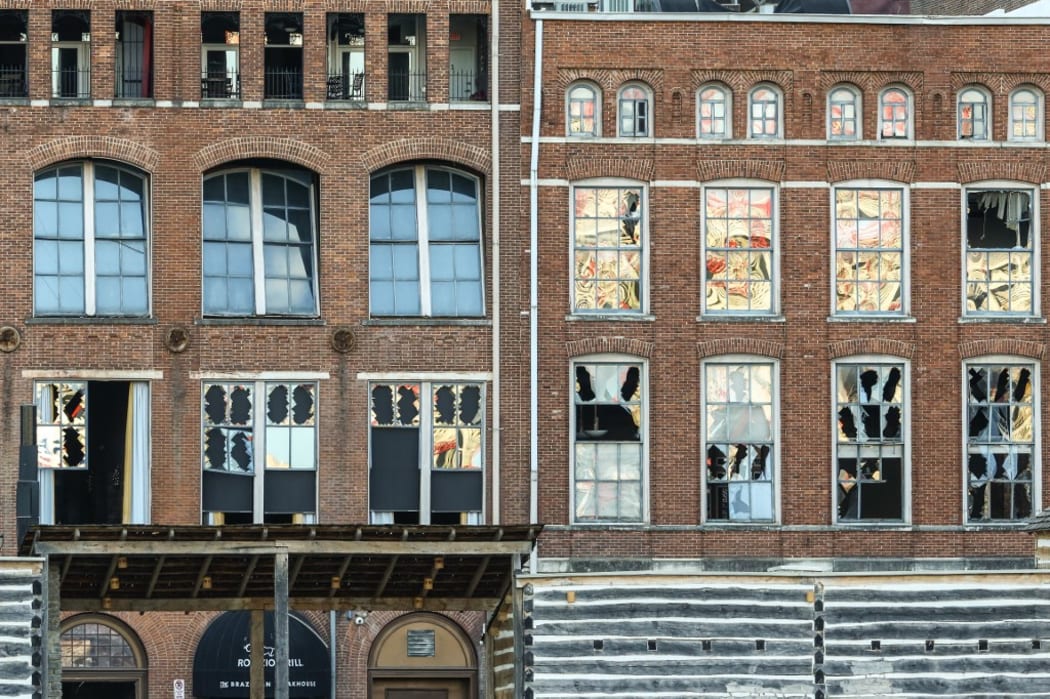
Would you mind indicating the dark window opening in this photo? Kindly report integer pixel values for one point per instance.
(346, 57)
(71, 54)
(220, 55)
(13, 35)
(284, 56)
(134, 55)
(468, 53)
(407, 55)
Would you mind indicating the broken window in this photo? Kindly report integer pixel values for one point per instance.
(93, 451)
(739, 257)
(1000, 271)
(134, 54)
(425, 252)
(870, 440)
(259, 452)
(90, 232)
(259, 243)
(346, 57)
(607, 249)
(844, 114)
(764, 116)
(634, 111)
(427, 453)
(894, 113)
(1026, 123)
(1000, 441)
(607, 442)
(220, 55)
(283, 56)
(583, 104)
(974, 110)
(713, 103)
(739, 439)
(869, 250)
(13, 37)
(71, 54)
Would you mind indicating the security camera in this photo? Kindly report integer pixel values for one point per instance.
(358, 619)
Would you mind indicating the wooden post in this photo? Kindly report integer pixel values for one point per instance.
(51, 660)
(280, 623)
(258, 668)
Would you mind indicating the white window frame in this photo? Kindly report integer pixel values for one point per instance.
(642, 223)
(967, 99)
(1037, 448)
(856, 101)
(596, 100)
(727, 107)
(83, 49)
(909, 114)
(774, 456)
(643, 431)
(905, 281)
(1036, 121)
(866, 360)
(1034, 237)
(774, 309)
(646, 119)
(778, 105)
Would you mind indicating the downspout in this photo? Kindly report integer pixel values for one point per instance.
(534, 305)
(331, 653)
(493, 88)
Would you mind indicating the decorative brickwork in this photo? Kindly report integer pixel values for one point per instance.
(70, 147)
(1006, 345)
(580, 168)
(871, 169)
(1019, 170)
(740, 345)
(260, 147)
(408, 149)
(769, 170)
(609, 345)
(603, 78)
(871, 345)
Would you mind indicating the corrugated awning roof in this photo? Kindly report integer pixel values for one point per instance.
(143, 568)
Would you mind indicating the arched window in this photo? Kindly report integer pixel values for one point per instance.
(714, 113)
(583, 113)
(765, 117)
(90, 253)
(429, 653)
(895, 113)
(974, 114)
(634, 102)
(260, 233)
(1026, 115)
(101, 656)
(844, 109)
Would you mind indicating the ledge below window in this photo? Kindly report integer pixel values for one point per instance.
(260, 320)
(478, 322)
(872, 319)
(612, 317)
(717, 318)
(1014, 320)
(91, 320)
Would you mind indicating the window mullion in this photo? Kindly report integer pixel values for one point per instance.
(258, 257)
(423, 240)
(89, 238)
(258, 451)
(426, 448)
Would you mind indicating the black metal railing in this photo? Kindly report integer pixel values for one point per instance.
(221, 86)
(347, 87)
(467, 86)
(72, 83)
(403, 86)
(133, 84)
(13, 81)
(283, 84)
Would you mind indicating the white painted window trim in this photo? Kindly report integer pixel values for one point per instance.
(961, 103)
(648, 101)
(858, 107)
(596, 99)
(778, 102)
(1039, 114)
(727, 100)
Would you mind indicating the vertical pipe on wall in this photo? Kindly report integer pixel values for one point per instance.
(493, 88)
(332, 655)
(534, 306)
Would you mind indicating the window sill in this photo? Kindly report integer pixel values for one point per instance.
(134, 102)
(70, 101)
(407, 105)
(612, 317)
(345, 104)
(1011, 320)
(271, 103)
(872, 319)
(220, 102)
(729, 318)
(91, 320)
(14, 101)
(259, 320)
(416, 321)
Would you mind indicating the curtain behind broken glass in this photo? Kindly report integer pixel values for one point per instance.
(607, 249)
(607, 474)
(999, 252)
(61, 430)
(738, 439)
(869, 441)
(869, 250)
(738, 236)
(1000, 441)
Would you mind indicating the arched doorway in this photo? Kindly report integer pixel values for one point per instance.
(422, 656)
(102, 658)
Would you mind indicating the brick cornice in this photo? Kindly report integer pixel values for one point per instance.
(881, 169)
(262, 147)
(581, 168)
(770, 170)
(740, 345)
(70, 147)
(871, 345)
(1020, 170)
(609, 345)
(408, 149)
(1010, 346)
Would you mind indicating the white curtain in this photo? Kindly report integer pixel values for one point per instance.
(45, 476)
(138, 437)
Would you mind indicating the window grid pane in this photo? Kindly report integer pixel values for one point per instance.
(739, 256)
(1000, 273)
(1024, 114)
(59, 276)
(869, 251)
(634, 112)
(765, 114)
(61, 425)
(973, 115)
(582, 111)
(1000, 441)
(291, 427)
(607, 249)
(844, 108)
(96, 646)
(713, 113)
(120, 242)
(893, 114)
(457, 426)
(227, 426)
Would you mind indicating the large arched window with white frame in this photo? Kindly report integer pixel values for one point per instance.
(844, 111)
(740, 252)
(895, 113)
(1026, 114)
(634, 107)
(1001, 251)
(609, 242)
(714, 111)
(765, 112)
(974, 114)
(1002, 438)
(102, 656)
(740, 438)
(583, 110)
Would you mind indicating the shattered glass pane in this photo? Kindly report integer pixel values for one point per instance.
(227, 427)
(739, 261)
(62, 425)
(290, 433)
(607, 258)
(869, 250)
(456, 444)
(999, 252)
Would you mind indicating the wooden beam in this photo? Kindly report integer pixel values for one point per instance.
(156, 576)
(280, 624)
(201, 574)
(257, 671)
(103, 588)
(224, 604)
(381, 587)
(247, 575)
(476, 578)
(342, 572)
(307, 548)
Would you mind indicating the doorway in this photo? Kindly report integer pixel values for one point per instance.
(422, 656)
(94, 689)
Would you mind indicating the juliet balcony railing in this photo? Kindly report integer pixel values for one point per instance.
(132, 84)
(403, 86)
(349, 87)
(283, 84)
(224, 85)
(467, 86)
(71, 83)
(13, 82)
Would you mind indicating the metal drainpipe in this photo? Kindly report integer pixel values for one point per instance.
(534, 306)
(493, 88)
(331, 653)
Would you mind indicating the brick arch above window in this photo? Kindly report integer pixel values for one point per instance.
(568, 76)
(871, 169)
(871, 345)
(709, 169)
(729, 78)
(993, 82)
(783, 80)
(415, 149)
(652, 78)
(1020, 171)
(77, 147)
(860, 80)
(640, 169)
(286, 149)
(1005, 346)
(740, 345)
(1013, 81)
(609, 345)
